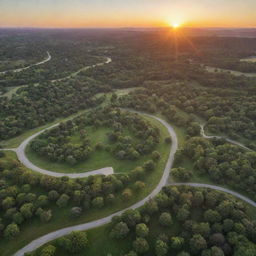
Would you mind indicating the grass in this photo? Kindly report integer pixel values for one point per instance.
(61, 217)
(99, 158)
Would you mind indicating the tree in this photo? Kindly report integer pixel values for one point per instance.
(119, 231)
(98, 202)
(161, 248)
(181, 174)
(127, 194)
(45, 216)
(42, 201)
(139, 185)
(63, 201)
(212, 216)
(27, 210)
(197, 243)
(11, 231)
(53, 195)
(151, 207)
(177, 242)
(131, 217)
(18, 218)
(217, 239)
(165, 219)
(182, 214)
(149, 165)
(8, 202)
(140, 245)
(49, 250)
(155, 155)
(77, 241)
(142, 230)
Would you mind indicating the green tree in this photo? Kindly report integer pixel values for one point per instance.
(140, 245)
(165, 219)
(197, 243)
(98, 202)
(49, 250)
(142, 230)
(119, 231)
(11, 231)
(78, 241)
(63, 200)
(161, 248)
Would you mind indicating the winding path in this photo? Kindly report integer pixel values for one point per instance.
(201, 185)
(21, 154)
(93, 224)
(30, 66)
(202, 133)
(108, 60)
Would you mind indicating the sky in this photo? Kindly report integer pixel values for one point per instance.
(127, 13)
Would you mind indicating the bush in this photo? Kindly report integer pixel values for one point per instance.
(76, 212)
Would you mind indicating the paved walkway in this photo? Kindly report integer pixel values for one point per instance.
(201, 185)
(93, 224)
(202, 132)
(30, 66)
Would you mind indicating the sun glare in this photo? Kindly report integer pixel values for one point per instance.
(175, 25)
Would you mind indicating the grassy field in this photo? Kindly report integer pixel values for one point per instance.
(61, 217)
(99, 158)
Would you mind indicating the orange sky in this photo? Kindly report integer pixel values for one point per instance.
(125, 13)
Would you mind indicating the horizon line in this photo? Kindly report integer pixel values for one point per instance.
(126, 27)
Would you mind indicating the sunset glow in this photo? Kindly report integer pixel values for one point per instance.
(130, 13)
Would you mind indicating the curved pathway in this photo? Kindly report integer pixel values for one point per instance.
(30, 66)
(202, 132)
(21, 154)
(93, 224)
(108, 60)
(201, 185)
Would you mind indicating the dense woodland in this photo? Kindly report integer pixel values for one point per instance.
(207, 223)
(173, 83)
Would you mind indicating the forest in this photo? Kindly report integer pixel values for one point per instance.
(94, 109)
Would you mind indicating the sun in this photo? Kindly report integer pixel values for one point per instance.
(175, 25)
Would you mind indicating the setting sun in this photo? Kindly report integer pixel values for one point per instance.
(175, 25)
